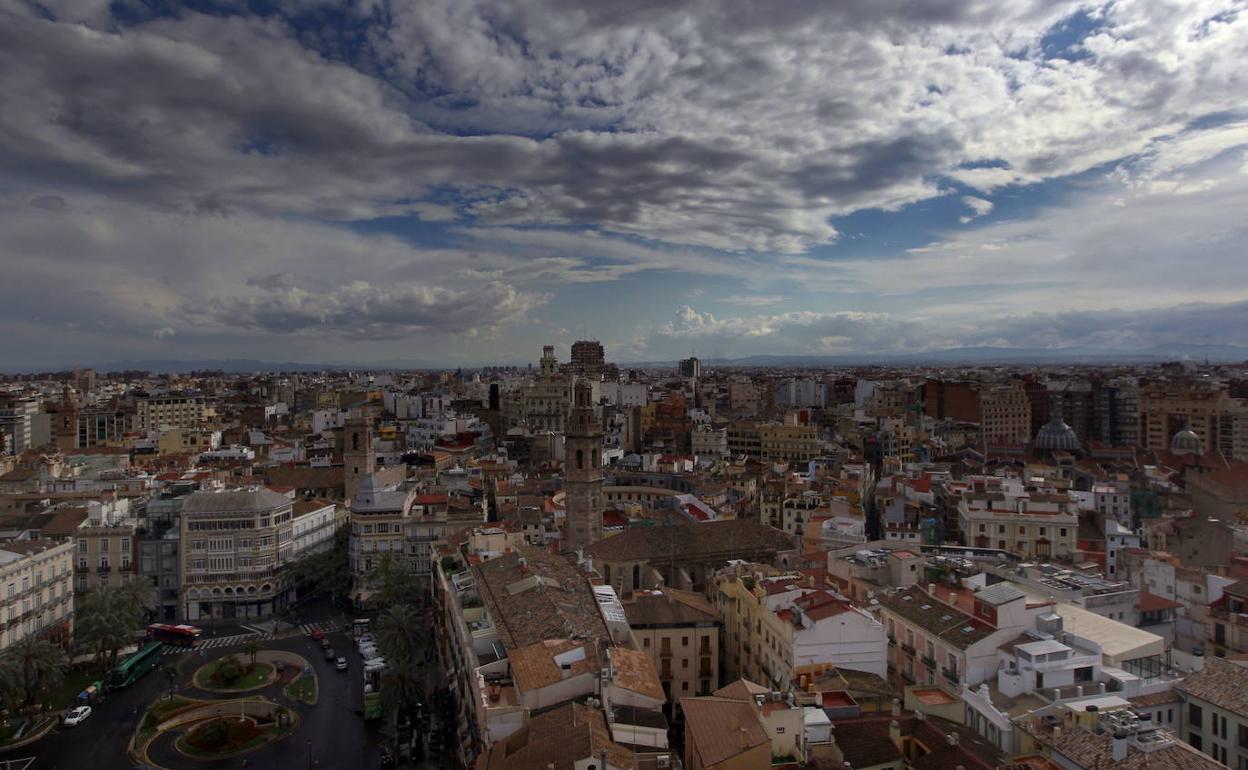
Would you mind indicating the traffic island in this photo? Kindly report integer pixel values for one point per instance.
(222, 737)
(229, 674)
(211, 730)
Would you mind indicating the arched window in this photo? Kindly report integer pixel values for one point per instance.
(606, 574)
(580, 459)
(355, 442)
(636, 577)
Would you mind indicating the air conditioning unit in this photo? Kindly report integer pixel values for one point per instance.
(663, 761)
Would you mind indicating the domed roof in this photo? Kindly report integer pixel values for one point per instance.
(1057, 435)
(1187, 442)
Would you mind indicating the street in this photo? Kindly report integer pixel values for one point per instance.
(331, 734)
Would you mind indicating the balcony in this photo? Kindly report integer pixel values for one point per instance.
(928, 661)
(952, 676)
(666, 652)
(82, 569)
(892, 641)
(104, 568)
(704, 672)
(906, 675)
(908, 649)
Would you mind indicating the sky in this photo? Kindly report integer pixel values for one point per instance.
(458, 182)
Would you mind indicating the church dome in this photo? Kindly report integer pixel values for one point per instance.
(1057, 435)
(1187, 442)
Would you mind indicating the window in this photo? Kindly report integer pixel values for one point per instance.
(1195, 716)
(1243, 736)
(1062, 532)
(684, 641)
(104, 545)
(125, 544)
(82, 546)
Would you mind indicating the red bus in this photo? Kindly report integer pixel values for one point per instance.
(170, 634)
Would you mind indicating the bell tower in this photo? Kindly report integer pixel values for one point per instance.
(357, 455)
(582, 476)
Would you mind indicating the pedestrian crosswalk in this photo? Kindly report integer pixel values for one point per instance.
(212, 642)
(324, 626)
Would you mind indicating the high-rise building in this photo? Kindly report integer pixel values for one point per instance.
(1005, 415)
(1167, 406)
(691, 368)
(588, 354)
(582, 478)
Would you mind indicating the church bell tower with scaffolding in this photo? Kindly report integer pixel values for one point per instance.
(582, 477)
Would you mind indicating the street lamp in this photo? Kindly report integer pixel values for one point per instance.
(309, 754)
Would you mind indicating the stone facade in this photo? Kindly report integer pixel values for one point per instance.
(583, 471)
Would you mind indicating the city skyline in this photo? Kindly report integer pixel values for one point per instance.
(460, 183)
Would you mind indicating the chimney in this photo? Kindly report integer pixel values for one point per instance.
(1119, 747)
(894, 732)
(1101, 687)
(896, 707)
(953, 597)
(919, 715)
(1078, 691)
(603, 755)
(931, 589)
(952, 739)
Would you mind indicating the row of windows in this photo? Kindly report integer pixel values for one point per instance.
(104, 544)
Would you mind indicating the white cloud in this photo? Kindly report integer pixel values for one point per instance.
(978, 206)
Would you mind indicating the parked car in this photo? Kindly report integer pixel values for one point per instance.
(325, 643)
(77, 716)
(363, 639)
(368, 651)
(341, 664)
(330, 654)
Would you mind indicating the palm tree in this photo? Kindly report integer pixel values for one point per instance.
(402, 687)
(141, 596)
(399, 632)
(394, 580)
(104, 623)
(33, 667)
(252, 648)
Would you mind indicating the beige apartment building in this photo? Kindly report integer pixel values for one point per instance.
(38, 598)
(790, 441)
(679, 630)
(1042, 526)
(234, 545)
(171, 410)
(1005, 415)
(1203, 406)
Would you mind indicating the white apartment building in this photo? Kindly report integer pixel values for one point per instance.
(932, 640)
(313, 526)
(774, 625)
(38, 598)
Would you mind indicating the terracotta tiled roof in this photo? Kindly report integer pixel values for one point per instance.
(720, 728)
(1153, 602)
(1222, 683)
(1089, 749)
(686, 541)
(559, 738)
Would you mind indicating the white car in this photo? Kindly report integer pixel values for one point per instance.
(76, 716)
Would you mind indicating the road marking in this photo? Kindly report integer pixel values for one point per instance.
(17, 764)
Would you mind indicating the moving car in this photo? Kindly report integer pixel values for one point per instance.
(341, 664)
(77, 715)
(330, 654)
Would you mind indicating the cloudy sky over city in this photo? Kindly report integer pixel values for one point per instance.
(461, 181)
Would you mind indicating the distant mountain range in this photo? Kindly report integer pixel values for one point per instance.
(951, 356)
(997, 355)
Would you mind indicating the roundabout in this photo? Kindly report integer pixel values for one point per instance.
(247, 709)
